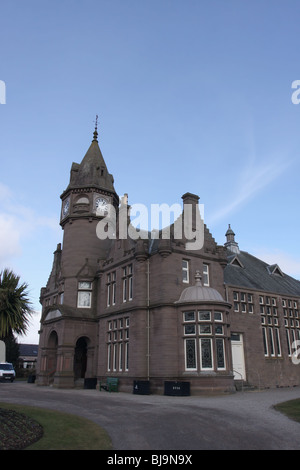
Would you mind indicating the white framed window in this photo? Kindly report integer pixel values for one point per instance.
(185, 271)
(127, 283)
(218, 316)
(115, 346)
(265, 342)
(111, 289)
(277, 340)
(206, 357)
(190, 329)
(204, 315)
(120, 356)
(206, 350)
(205, 274)
(84, 298)
(189, 316)
(271, 341)
(109, 356)
(204, 329)
(190, 354)
(118, 344)
(126, 356)
(219, 330)
(220, 354)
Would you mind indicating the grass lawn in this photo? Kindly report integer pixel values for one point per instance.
(290, 408)
(62, 431)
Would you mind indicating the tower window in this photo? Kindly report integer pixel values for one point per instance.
(84, 299)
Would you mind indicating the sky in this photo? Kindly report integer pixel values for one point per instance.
(192, 96)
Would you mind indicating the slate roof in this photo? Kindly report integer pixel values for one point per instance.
(199, 293)
(30, 350)
(253, 273)
(92, 171)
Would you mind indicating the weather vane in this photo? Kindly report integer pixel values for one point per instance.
(96, 125)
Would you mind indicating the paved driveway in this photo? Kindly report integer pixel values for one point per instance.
(245, 420)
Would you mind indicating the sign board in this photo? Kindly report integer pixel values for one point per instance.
(2, 351)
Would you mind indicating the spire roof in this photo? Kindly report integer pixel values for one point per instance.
(231, 244)
(92, 171)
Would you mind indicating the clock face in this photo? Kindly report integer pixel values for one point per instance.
(66, 207)
(101, 205)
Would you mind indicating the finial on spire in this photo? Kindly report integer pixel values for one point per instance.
(95, 131)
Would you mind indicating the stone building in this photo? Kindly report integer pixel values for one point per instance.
(155, 309)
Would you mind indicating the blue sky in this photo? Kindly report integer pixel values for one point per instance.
(192, 95)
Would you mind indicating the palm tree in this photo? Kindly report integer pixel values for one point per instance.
(15, 307)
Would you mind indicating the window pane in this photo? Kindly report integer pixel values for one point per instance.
(206, 353)
(205, 275)
(219, 329)
(84, 299)
(185, 271)
(205, 329)
(189, 329)
(126, 356)
(204, 315)
(189, 316)
(278, 341)
(190, 354)
(84, 285)
(220, 354)
(218, 316)
(265, 342)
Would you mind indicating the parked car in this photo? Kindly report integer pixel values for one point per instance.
(7, 371)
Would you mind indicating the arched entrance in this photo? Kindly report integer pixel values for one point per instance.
(80, 358)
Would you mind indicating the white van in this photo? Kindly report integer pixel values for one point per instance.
(7, 371)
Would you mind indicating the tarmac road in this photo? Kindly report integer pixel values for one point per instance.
(241, 421)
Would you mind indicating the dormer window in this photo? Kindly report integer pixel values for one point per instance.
(275, 269)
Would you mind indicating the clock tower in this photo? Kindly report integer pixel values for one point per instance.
(85, 201)
(69, 316)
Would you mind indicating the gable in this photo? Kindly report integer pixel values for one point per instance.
(236, 262)
(275, 269)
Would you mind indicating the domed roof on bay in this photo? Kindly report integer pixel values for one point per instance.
(199, 293)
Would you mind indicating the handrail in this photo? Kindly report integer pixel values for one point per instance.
(241, 378)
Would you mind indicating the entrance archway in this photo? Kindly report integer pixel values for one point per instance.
(80, 358)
